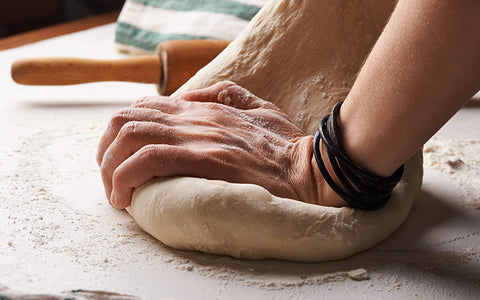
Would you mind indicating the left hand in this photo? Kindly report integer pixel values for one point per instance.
(222, 132)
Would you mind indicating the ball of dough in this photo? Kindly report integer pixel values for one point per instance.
(246, 221)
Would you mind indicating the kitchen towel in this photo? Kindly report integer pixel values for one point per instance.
(142, 24)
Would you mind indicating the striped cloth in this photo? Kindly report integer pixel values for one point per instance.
(143, 24)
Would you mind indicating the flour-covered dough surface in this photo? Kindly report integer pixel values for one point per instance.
(301, 55)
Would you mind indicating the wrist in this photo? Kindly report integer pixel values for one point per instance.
(324, 194)
(366, 145)
(359, 187)
(302, 176)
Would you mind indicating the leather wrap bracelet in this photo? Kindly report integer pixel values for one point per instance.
(358, 187)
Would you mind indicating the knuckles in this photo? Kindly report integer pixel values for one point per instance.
(151, 153)
(129, 129)
(212, 106)
(144, 101)
(120, 117)
(140, 101)
(134, 132)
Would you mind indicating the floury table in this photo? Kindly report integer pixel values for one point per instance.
(59, 233)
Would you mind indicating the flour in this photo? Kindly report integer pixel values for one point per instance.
(58, 219)
(380, 265)
(264, 274)
(51, 229)
(460, 160)
(43, 195)
(60, 240)
(53, 234)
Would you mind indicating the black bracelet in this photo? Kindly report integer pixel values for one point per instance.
(359, 188)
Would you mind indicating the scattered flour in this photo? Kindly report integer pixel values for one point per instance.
(49, 227)
(58, 218)
(460, 160)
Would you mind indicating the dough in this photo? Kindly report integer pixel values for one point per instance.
(246, 221)
(303, 56)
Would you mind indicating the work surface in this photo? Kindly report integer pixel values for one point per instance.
(59, 233)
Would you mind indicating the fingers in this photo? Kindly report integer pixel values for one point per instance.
(160, 161)
(227, 93)
(226, 138)
(120, 118)
(145, 164)
(230, 94)
(133, 136)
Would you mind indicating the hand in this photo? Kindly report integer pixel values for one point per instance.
(222, 132)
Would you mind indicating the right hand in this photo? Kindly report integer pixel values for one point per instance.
(222, 132)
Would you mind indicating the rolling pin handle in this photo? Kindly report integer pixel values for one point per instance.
(71, 70)
(173, 64)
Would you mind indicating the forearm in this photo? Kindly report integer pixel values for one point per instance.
(423, 68)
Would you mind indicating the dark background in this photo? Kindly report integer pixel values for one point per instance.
(17, 16)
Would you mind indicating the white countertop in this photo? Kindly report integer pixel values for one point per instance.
(59, 233)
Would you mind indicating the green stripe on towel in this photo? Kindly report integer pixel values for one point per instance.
(130, 35)
(240, 10)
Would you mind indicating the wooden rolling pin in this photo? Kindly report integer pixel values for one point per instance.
(172, 65)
